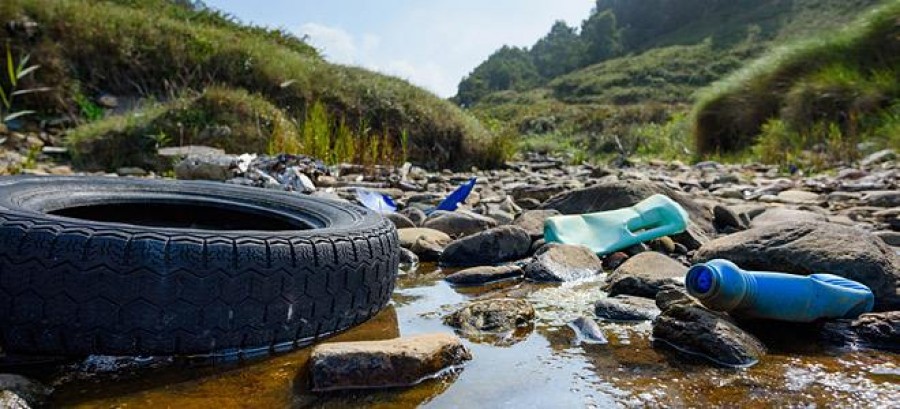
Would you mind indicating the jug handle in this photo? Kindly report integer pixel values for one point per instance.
(658, 231)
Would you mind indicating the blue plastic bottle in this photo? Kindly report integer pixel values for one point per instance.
(721, 285)
(610, 231)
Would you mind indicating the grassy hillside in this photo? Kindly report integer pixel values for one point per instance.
(166, 57)
(670, 50)
(825, 93)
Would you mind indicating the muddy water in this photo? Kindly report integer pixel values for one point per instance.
(541, 366)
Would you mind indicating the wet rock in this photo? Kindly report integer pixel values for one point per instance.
(884, 198)
(689, 327)
(414, 214)
(533, 221)
(206, 167)
(504, 243)
(644, 275)
(34, 393)
(810, 247)
(400, 221)
(383, 364)
(875, 330)
(626, 308)
(563, 262)
(9, 400)
(780, 215)
(587, 331)
(618, 194)
(408, 259)
(484, 274)
(459, 223)
(878, 157)
(426, 243)
(491, 315)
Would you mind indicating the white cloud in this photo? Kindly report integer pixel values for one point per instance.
(335, 44)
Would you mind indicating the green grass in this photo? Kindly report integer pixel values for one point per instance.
(155, 50)
(838, 86)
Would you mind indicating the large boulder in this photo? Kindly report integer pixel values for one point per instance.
(504, 243)
(644, 275)
(618, 194)
(383, 364)
(563, 262)
(811, 247)
(459, 223)
(492, 315)
(689, 327)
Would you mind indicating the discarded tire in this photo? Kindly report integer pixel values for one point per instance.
(143, 267)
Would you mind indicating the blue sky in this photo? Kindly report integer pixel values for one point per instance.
(431, 43)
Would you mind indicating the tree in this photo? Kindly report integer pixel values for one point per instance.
(559, 52)
(601, 35)
(507, 68)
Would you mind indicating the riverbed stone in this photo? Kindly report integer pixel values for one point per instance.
(780, 215)
(533, 221)
(496, 245)
(33, 392)
(813, 247)
(400, 221)
(414, 214)
(491, 315)
(612, 195)
(874, 330)
(689, 327)
(426, 243)
(9, 400)
(206, 167)
(626, 308)
(383, 364)
(563, 262)
(879, 157)
(587, 331)
(644, 275)
(726, 218)
(459, 223)
(484, 274)
(882, 198)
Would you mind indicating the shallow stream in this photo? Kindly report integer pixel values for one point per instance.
(542, 366)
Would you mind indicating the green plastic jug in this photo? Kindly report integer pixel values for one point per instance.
(610, 231)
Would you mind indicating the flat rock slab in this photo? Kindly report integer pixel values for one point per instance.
(780, 215)
(644, 275)
(810, 247)
(689, 327)
(533, 221)
(504, 243)
(483, 275)
(384, 364)
(626, 308)
(459, 224)
(563, 262)
(875, 330)
(491, 315)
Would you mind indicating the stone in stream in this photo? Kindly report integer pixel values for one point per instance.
(688, 327)
(414, 214)
(408, 260)
(426, 243)
(400, 221)
(563, 262)
(483, 275)
(644, 275)
(384, 364)
(459, 223)
(504, 243)
(626, 308)
(533, 221)
(618, 194)
(34, 393)
(781, 215)
(491, 315)
(9, 400)
(810, 247)
(875, 330)
(587, 331)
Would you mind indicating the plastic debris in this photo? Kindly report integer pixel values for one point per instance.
(723, 286)
(378, 202)
(452, 201)
(610, 231)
